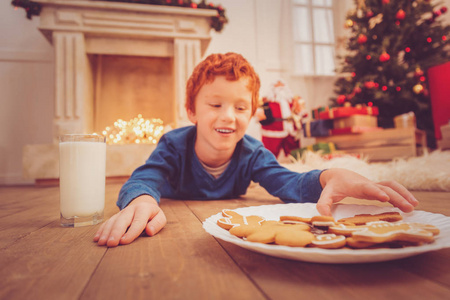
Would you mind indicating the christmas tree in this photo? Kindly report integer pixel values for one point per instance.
(392, 45)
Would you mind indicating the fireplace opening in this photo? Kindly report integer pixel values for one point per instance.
(128, 86)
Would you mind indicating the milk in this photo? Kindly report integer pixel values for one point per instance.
(82, 179)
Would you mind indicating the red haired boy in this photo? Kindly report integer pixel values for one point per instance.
(216, 160)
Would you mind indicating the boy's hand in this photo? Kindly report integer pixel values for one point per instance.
(143, 213)
(340, 183)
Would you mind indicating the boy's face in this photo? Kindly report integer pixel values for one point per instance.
(222, 114)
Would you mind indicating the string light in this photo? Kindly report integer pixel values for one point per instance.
(136, 131)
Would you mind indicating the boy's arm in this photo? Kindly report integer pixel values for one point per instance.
(340, 183)
(143, 213)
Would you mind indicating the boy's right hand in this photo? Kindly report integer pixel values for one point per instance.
(143, 213)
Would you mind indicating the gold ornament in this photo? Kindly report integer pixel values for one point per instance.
(349, 23)
(418, 88)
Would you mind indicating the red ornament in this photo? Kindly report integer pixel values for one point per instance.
(384, 57)
(369, 14)
(369, 84)
(357, 90)
(386, 1)
(341, 99)
(429, 40)
(443, 9)
(370, 104)
(444, 38)
(407, 49)
(362, 39)
(418, 72)
(384, 88)
(400, 15)
(368, 57)
(194, 5)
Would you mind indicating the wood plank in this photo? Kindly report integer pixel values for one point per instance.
(50, 263)
(180, 262)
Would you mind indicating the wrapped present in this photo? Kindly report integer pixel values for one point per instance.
(355, 120)
(354, 129)
(324, 148)
(316, 111)
(317, 128)
(347, 111)
(407, 120)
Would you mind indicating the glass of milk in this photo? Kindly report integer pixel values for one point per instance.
(82, 160)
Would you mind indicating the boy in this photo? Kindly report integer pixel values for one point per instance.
(216, 160)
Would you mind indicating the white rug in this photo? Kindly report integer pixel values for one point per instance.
(430, 172)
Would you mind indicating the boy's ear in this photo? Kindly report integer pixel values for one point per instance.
(191, 116)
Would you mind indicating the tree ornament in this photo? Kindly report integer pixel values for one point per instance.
(384, 57)
(386, 1)
(369, 14)
(368, 57)
(341, 99)
(349, 23)
(362, 39)
(369, 84)
(443, 9)
(418, 72)
(400, 15)
(418, 88)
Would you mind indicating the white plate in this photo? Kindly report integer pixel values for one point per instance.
(273, 212)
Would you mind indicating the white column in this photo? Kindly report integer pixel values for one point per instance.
(187, 56)
(73, 100)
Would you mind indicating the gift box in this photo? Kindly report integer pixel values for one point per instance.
(354, 129)
(315, 113)
(407, 120)
(347, 111)
(355, 120)
(317, 128)
(325, 148)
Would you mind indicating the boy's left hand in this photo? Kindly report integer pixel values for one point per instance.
(340, 183)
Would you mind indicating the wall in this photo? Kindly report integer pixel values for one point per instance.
(258, 29)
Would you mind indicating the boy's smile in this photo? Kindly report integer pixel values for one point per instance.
(223, 109)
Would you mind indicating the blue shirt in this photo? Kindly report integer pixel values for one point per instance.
(174, 171)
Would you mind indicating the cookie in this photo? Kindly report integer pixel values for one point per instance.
(344, 229)
(322, 221)
(232, 219)
(297, 238)
(294, 219)
(366, 218)
(329, 241)
(383, 232)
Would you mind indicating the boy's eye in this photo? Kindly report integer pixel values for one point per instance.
(241, 107)
(214, 105)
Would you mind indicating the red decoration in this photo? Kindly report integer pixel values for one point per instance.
(384, 57)
(438, 79)
(407, 49)
(341, 99)
(368, 57)
(386, 1)
(194, 5)
(369, 14)
(362, 39)
(443, 9)
(369, 84)
(429, 40)
(400, 15)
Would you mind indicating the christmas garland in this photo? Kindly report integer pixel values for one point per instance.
(217, 22)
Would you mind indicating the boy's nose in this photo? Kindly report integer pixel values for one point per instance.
(228, 113)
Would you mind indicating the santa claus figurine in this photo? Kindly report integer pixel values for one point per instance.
(280, 118)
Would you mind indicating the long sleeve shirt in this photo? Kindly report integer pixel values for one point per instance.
(173, 170)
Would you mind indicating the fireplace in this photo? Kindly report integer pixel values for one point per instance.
(115, 61)
(121, 58)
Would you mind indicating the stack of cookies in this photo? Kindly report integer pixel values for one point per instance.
(360, 231)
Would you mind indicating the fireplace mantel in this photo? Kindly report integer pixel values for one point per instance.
(78, 29)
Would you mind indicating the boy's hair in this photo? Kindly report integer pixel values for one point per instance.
(231, 65)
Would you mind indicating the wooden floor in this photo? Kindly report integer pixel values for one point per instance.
(41, 260)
